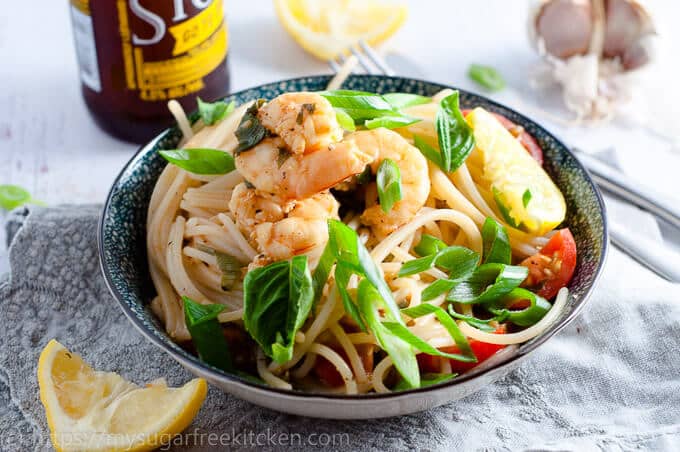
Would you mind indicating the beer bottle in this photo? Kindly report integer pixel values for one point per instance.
(135, 55)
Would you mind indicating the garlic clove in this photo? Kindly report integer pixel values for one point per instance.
(628, 23)
(565, 26)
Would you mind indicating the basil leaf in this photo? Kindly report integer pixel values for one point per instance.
(276, 302)
(425, 381)
(390, 122)
(486, 77)
(250, 130)
(215, 111)
(428, 245)
(503, 209)
(437, 288)
(496, 243)
(428, 151)
(322, 271)
(538, 307)
(482, 325)
(230, 267)
(200, 161)
(526, 197)
(456, 139)
(452, 258)
(345, 120)
(388, 180)
(403, 100)
(399, 351)
(13, 196)
(206, 333)
(466, 353)
(488, 283)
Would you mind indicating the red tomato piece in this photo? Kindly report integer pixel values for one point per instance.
(553, 267)
(524, 137)
(482, 350)
(329, 375)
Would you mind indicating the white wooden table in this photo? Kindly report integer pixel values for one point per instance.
(50, 145)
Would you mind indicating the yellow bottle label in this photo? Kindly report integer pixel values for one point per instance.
(190, 47)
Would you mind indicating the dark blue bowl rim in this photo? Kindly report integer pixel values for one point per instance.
(188, 360)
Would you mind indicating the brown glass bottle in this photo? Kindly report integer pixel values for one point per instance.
(136, 55)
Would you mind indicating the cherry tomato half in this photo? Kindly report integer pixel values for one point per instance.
(482, 350)
(552, 268)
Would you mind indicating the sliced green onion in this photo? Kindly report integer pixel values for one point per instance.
(345, 120)
(496, 243)
(390, 122)
(538, 307)
(13, 196)
(456, 259)
(388, 180)
(437, 288)
(403, 100)
(430, 152)
(231, 269)
(482, 325)
(486, 77)
(503, 209)
(488, 283)
(428, 245)
(526, 197)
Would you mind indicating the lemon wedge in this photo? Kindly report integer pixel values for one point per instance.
(89, 410)
(327, 28)
(522, 191)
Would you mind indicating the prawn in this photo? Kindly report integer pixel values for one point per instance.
(282, 231)
(383, 144)
(271, 169)
(305, 121)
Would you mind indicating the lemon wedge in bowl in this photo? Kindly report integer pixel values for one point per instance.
(327, 28)
(522, 191)
(90, 410)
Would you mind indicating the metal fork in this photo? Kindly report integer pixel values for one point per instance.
(655, 256)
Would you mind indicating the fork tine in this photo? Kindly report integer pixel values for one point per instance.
(362, 60)
(375, 58)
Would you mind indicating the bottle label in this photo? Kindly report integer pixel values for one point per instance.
(86, 50)
(166, 53)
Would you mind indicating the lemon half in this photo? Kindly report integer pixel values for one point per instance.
(89, 410)
(327, 28)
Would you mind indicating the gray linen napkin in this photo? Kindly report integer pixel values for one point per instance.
(608, 381)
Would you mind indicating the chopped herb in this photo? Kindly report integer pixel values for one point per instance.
(486, 77)
(284, 155)
(250, 131)
(526, 197)
(248, 184)
(230, 267)
(388, 180)
(13, 196)
(215, 111)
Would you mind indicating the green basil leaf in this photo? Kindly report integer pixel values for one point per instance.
(428, 245)
(488, 283)
(537, 309)
(388, 180)
(250, 130)
(206, 333)
(403, 100)
(13, 196)
(496, 243)
(230, 268)
(215, 111)
(200, 161)
(428, 151)
(456, 139)
(276, 302)
(526, 197)
(437, 288)
(425, 381)
(399, 351)
(390, 122)
(466, 354)
(345, 120)
(503, 209)
(486, 77)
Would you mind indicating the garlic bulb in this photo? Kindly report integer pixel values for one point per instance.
(594, 49)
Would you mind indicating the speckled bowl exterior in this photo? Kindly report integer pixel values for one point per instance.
(124, 261)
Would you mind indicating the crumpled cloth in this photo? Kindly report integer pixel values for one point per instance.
(609, 381)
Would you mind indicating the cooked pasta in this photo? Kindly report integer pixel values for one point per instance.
(242, 242)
